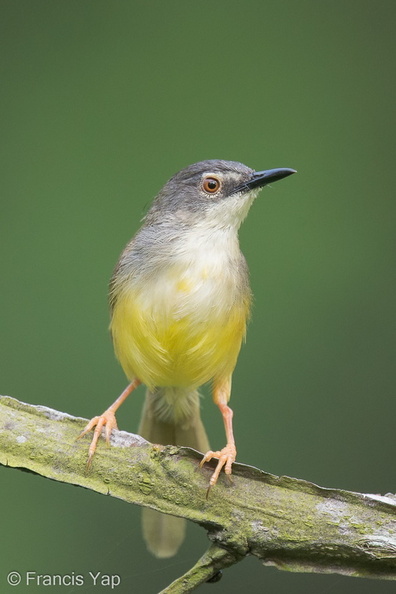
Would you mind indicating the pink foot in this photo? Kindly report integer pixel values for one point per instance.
(226, 458)
(107, 420)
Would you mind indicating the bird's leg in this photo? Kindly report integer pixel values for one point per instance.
(226, 456)
(107, 420)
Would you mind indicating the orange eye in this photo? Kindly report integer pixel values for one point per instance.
(211, 185)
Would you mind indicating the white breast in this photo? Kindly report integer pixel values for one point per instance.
(200, 278)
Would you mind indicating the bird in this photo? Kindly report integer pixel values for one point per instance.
(180, 301)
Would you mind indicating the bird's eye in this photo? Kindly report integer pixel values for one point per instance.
(211, 184)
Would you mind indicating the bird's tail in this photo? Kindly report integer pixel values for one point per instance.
(170, 416)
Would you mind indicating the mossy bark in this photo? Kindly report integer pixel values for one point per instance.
(286, 522)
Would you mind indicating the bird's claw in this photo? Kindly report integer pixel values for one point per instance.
(226, 458)
(106, 420)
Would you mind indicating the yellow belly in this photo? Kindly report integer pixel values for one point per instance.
(163, 348)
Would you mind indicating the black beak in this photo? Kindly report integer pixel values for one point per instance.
(262, 178)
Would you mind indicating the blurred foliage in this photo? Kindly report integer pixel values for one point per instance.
(101, 102)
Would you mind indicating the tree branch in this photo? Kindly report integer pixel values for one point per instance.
(286, 522)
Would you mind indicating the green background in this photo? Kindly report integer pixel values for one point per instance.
(101, 102)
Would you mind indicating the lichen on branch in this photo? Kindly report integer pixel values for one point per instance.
(286, 522)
